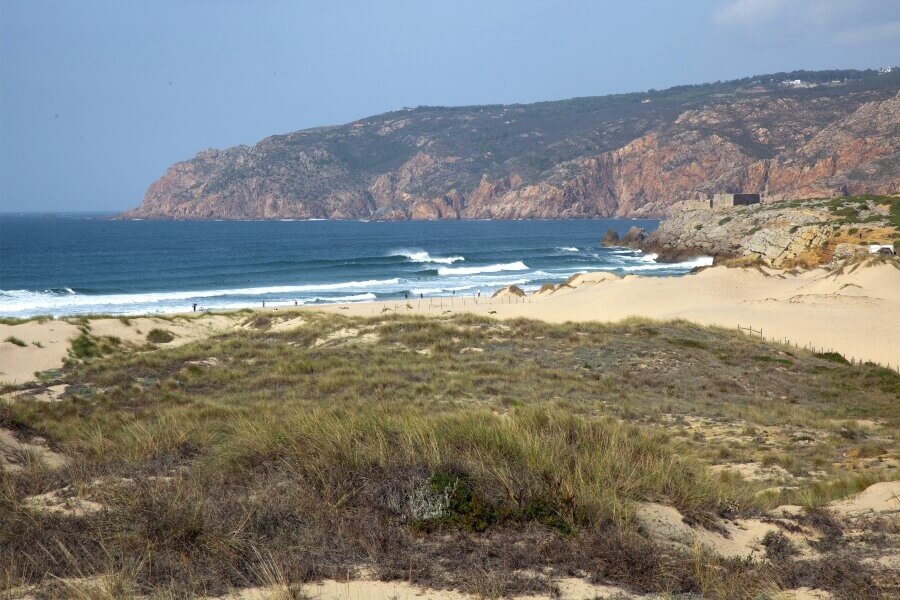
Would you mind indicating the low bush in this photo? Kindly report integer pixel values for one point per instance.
(833, 357)
(160, 336)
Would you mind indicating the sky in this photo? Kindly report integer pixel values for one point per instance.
(98, 98)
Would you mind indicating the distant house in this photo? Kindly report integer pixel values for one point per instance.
(732, 200)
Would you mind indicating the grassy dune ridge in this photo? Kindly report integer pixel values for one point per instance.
(459, 452)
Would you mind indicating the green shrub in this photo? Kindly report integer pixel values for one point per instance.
(833, 357)
(86, 346)
(159, 336)
(14, 340)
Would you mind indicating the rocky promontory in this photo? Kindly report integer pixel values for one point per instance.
(802, 233)
(625, 155)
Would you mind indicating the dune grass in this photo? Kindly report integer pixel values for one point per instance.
(456, 452)
(160, 336)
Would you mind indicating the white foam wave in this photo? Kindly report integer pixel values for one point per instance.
(567, 249)
(420, 256)
(649, 258)
(513, 266)
(700, 261)
(353, 298)
(236, 304)
(473, 285)
(16, 301)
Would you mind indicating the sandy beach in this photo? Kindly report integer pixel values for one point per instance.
(852, 311)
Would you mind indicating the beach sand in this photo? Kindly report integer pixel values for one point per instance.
(47, 342)
(853, 311)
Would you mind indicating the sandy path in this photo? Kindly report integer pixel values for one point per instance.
(855, 313)
(569, 588)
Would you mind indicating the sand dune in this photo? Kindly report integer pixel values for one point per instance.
(854, 311)
(47, 342)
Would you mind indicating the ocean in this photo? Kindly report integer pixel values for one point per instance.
(69, 265)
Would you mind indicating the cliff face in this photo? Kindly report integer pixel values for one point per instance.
(627, 155)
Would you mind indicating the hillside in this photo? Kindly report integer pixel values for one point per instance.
(836, 133)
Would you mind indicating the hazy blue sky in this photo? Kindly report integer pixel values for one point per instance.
(98, 98)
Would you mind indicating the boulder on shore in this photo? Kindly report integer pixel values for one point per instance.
(610, 238)
(634, 236)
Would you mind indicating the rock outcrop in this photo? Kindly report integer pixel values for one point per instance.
(618, 156)
(781, 244)
(781, 234)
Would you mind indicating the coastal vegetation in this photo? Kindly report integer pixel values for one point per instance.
(459, 452)
(160, 336)
(14, 340)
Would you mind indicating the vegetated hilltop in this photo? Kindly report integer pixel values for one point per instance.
(797, 233)
(493, 458)
(835, 133)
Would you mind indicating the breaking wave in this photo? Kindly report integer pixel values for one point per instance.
(700, 261)
(420, 256)
(18, 301)
(513, 266)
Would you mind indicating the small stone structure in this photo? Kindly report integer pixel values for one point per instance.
(700, 204)
(717, 201)
(732, 200)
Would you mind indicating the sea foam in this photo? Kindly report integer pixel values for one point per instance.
(420, 256)
(16, 301)
(513, 266)
(700, 261)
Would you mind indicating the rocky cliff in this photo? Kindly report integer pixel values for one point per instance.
(624, 155)
(803, 233)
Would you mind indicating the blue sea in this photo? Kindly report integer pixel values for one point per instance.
(68, 265)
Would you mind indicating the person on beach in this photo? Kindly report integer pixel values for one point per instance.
(195, 307)
(264, 303)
